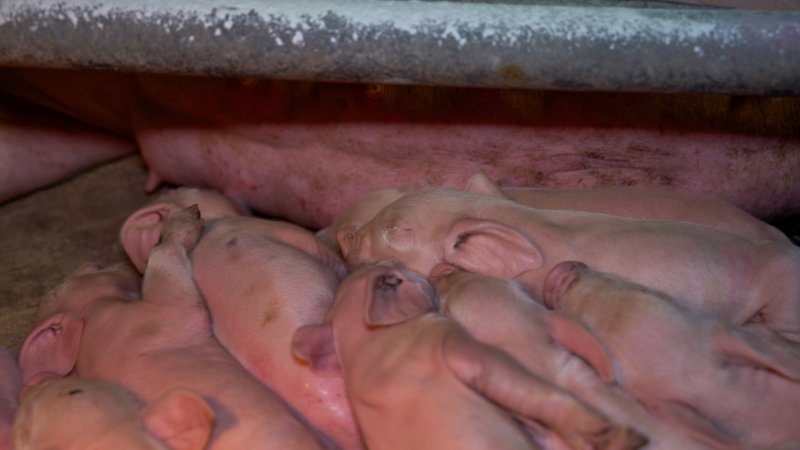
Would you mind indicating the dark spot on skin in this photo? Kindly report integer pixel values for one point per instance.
(270, 314)
(594, 155)
(538, 178)
(147, 329)
(231, 242)
(75, 391)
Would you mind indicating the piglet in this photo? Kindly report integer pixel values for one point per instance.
(502, 313)
(357, 214)
(728, 386)
(73, 413)
(261, 280)
(740, 280)
(98, 325)
(417, 380)
(637, 202)
(630, 201)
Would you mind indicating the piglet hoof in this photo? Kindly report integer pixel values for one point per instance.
(559, 280)
(183, 228)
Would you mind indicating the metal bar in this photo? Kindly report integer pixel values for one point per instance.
(444, 43)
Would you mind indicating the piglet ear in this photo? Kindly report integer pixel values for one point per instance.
(52, 346)
(142, 230)
(394, 299)
(772, 354)
(181, 419)
(315, 345)
(482, 183)
(573, 336)
(491, 248)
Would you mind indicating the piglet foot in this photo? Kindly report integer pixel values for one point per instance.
(183, 228)
(168, 276)
(559, 280)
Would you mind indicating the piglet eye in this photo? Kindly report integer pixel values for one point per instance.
(388, 282)
(462, 238)
(75, 391)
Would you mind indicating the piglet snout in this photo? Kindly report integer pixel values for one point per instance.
(559, 280)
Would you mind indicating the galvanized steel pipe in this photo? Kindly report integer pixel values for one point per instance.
(442, 43)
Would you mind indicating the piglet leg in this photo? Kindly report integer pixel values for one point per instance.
(168, 278)
(531, 399)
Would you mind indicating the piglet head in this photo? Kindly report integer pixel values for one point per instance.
(79, 413)
(89, 283)
(52, 346)
(411, 230)
(356, 215)
(375, 296)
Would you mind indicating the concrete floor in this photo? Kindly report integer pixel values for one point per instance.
(45, 235)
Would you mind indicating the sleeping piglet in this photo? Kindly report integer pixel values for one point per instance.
(417, 380)
(637, 202)
(261, 280)
(631, 201)
(501, 313)
(156, 337)
(74, 413)
(729, 386)
(740, 280)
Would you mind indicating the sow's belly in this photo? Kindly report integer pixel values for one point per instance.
(303, 151)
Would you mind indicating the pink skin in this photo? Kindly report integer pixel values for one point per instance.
(89, 414)
(142, 230)
(725, 274)
(499, 312)
(633, 202)
(10, 387)
(417, 380)
(37, 153)
(637, 203)
(356, 215)
(304, 152)
(261, 280)
(730, 386)
(97, 325)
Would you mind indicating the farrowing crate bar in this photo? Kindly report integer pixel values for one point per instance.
(654, 46)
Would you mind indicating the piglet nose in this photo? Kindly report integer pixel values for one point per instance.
(559, 280)
(353, 247)
(345, 241)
